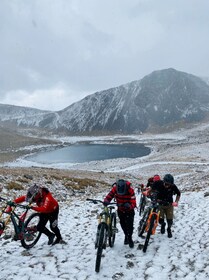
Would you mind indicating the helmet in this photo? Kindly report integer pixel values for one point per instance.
(150, 180)
(121, 187)
(32, 192)
(156, 178)
(168, 178)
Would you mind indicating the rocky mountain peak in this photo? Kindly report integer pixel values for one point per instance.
(164, 98)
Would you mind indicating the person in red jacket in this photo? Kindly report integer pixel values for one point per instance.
(126, 201)
(48, 208)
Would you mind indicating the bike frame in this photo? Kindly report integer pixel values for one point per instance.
(106, 229)
(151, 224)
(17, 221)
(104, 216)
(154, 212)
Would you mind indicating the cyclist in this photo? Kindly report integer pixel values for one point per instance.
(48, 208)
(126, 200)
(148, 190)
(166, 189)
(149, 182)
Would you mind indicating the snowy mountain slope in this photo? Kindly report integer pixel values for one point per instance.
(184, 256)
(164, 98)
(18, 113)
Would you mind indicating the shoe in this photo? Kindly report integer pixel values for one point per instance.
(59, 241)
(130, 242)
(169, 233)
(162, 228)
(126, 240)
(15, 237)
(51, 238)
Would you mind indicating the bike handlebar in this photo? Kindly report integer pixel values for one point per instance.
(95, 201)
(13, 204)
(21, 206)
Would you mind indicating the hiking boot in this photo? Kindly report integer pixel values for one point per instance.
(59, 241)
(51, 238)
(126, 240)
(15, 237)
(169, 232)
(162, 230)
(130, 242)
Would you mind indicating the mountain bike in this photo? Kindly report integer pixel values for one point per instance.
(143, 220)
(151, 222)
(25, 229)
(106, 230)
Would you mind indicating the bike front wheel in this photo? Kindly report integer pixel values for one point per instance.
(149, 232)
(101, 245)
(31, 235)
(112, 230)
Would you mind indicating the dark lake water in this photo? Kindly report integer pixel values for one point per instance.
(90, 152)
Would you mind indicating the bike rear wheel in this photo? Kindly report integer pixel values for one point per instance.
(142, 222)
(101, 245)
(149, 232)
(31, 235)
(142, 205)
(112, 230)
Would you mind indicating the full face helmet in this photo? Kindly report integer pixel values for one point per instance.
(168, 178)
(121, 187)
(33, 191)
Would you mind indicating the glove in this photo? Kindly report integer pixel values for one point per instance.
(127, 205)
(146, 193)
(105, 203)
(8, 209)
(175, 204)
(10, 203)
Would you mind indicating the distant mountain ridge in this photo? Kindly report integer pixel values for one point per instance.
(164, 98)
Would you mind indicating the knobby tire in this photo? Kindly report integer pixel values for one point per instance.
(142, 205)
(149, 232)
(142, 223)
(112, 229)
(31, 235)
(101, 240)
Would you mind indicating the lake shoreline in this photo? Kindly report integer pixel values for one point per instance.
(81, 153)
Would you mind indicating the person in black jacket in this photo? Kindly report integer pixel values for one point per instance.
(166, 189)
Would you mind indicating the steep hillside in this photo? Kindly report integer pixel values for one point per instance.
(14, 145)
(164, 99)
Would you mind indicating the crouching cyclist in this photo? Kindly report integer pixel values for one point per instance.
(126, 201)
(48, 208)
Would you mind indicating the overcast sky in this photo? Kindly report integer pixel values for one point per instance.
(55, 52)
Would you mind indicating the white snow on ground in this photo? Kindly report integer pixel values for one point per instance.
(185, 256)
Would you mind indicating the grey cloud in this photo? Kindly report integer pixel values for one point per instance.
(94, 45)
